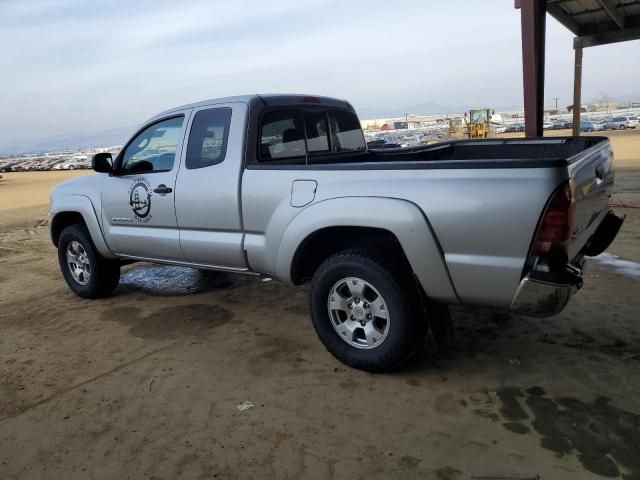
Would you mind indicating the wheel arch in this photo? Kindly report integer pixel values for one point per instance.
(399, 226)
(62, 220)
(327, 241)
(72, 209)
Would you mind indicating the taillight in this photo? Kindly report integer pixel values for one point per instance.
(556, 224)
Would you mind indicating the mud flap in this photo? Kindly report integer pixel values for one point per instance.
(441, 327)
(438, 320)
(604, 235)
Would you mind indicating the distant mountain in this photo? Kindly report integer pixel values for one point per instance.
(115, 136)
(424, 108)
(631, 96)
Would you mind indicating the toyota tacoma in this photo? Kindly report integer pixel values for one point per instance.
(285, 186)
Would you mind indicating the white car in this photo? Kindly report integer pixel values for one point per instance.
(66, 166)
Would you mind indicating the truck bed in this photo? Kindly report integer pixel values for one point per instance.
(489, 153)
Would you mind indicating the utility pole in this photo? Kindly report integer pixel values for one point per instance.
(406, 120)
(556, 99)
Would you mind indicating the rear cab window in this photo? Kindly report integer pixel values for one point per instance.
(302, 136)
(282, 136)
(346, 132)
(317, 131)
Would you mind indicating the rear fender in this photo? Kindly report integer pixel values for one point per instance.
(400, 217)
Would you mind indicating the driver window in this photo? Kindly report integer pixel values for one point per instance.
(154, 149)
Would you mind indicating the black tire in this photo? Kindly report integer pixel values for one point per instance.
(104, 274)
(407, 326)
(622, 127)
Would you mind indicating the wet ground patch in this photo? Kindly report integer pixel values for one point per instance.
(604, 344)
(165, 280)
(603, 437)
(170, 322)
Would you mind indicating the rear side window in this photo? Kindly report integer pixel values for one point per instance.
(282, 135)
(208, 138)
(346, 133)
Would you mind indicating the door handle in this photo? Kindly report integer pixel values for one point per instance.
(162, 188)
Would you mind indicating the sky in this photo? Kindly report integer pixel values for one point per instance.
(88, 66)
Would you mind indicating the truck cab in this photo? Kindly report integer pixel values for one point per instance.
(152, 196)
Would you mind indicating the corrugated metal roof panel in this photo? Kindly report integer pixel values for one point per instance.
(584, 17)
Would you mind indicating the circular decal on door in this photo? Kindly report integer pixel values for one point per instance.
(140, 199)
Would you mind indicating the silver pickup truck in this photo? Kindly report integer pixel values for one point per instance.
(284, 185)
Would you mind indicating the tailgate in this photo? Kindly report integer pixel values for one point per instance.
(592, 174)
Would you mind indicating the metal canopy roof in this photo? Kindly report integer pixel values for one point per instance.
(597, 22)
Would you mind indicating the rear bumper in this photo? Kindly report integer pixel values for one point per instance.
(542, 294)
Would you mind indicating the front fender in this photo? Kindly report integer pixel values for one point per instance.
(400, 217)
(81, 204)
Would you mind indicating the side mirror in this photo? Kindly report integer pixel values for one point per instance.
(102, 162)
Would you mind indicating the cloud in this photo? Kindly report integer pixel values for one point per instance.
(72, 65)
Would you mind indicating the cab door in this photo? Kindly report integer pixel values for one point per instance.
(138, 209)
(208, 187)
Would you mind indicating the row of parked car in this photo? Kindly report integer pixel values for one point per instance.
(615, 123)
(514, 127)
(41, 163)
(591, 125)
(558, 124)
(596, 125)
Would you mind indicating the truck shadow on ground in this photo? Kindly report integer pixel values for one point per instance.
(485, 331)
(603, 437)
(477, 330)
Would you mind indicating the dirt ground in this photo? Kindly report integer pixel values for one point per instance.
(146, 384)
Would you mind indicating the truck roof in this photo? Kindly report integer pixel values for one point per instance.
(267, 99)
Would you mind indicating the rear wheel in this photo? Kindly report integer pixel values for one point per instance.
(622, 127)
(85, 271)
(366, 314)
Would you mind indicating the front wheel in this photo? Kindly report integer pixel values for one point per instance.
(85, 271)
(367, 315)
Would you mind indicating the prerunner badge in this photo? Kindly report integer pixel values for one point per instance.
(140, 199)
